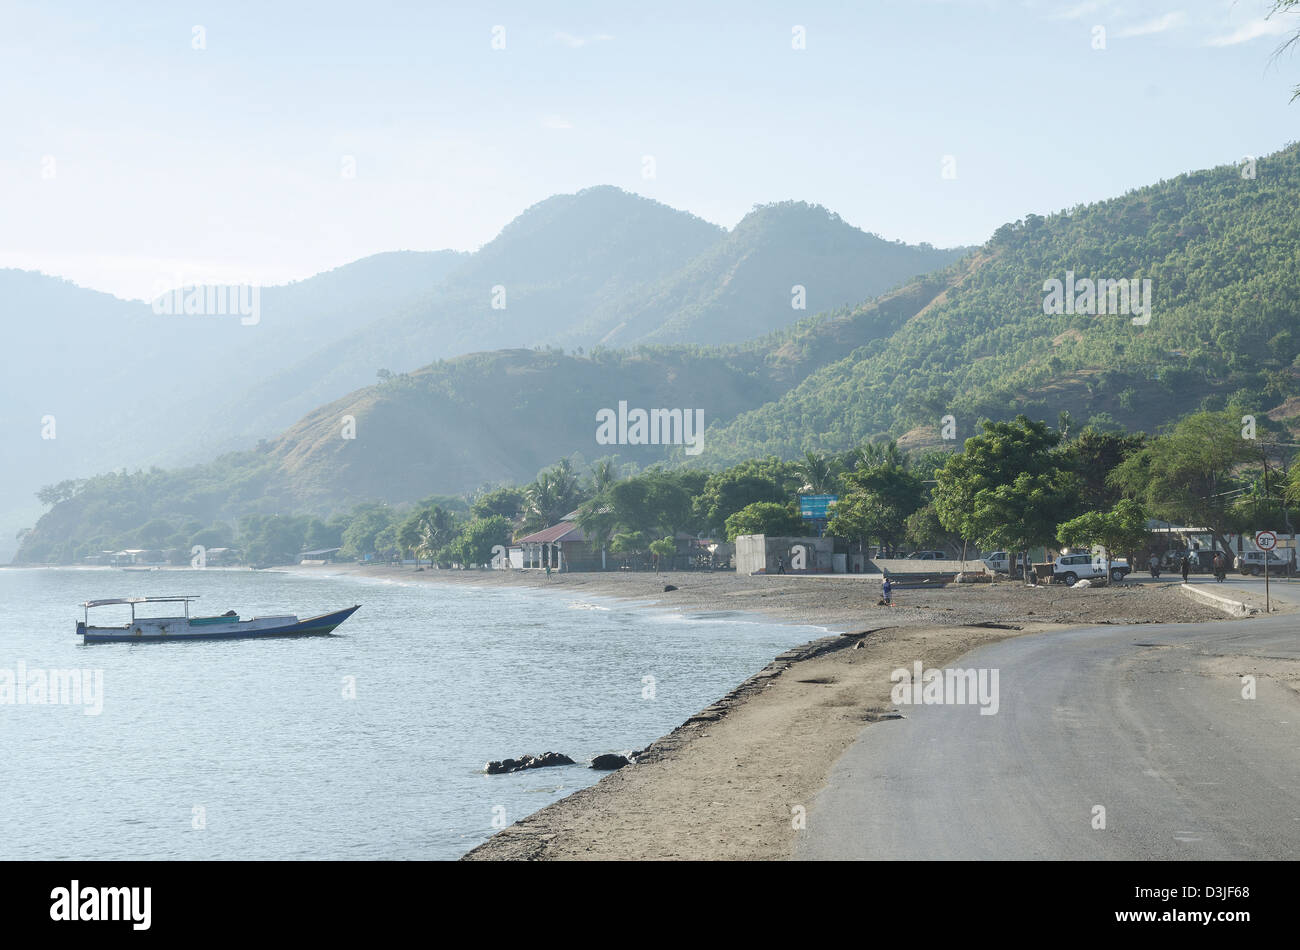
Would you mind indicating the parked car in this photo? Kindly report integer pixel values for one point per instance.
(1069, 568)
(1000, 562)
(1252, 562)
(929, 556)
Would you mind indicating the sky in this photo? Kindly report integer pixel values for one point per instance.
(159, 144)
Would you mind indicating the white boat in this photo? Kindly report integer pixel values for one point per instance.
(227, 626)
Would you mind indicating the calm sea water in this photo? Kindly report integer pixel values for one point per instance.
(241, 749)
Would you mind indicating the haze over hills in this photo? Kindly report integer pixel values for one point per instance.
(125, 386)
(178, 388)
(743, 286)
(969, 341)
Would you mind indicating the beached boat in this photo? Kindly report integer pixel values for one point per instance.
(228, 626)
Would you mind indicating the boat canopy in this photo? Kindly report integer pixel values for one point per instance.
(141, 600)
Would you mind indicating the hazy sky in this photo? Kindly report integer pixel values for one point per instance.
(129, 158)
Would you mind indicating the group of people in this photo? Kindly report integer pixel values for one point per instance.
(1219, 565)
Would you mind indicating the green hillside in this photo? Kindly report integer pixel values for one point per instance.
(970, 341)
(1220, 251)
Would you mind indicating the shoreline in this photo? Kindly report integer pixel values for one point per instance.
(727, 783)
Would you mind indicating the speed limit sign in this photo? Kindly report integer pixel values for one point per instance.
(1266, 540)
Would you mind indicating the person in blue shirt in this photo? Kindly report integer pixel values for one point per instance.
(885, 589)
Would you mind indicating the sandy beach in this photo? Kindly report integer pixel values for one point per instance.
(729, 783)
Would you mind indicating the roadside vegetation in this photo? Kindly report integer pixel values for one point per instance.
(1016, 485)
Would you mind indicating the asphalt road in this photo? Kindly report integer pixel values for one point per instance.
(1159, 735)
(1281, 590)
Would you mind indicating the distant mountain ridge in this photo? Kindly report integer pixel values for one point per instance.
(133, 388)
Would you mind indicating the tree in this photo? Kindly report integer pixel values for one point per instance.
(1185, 474)
(553, 495)
(875, 503)
(923, 529)
(155, 532)
(728, 491)
(662, 548)
(1281, 6)
(1008, 487)
(477, 538)
(277, 539)
(54, 494)
(629, 543)
(818, 474)
(871, 454)
(362, 531)
(506, 502)
(765, 517)
(657, 503)
(1094, 455)
(604, 473)
(409, 534)
(437, 528)
(1123, 528)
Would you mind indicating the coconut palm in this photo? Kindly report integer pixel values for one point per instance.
(818, 473)
(873, 454)
(603, 474)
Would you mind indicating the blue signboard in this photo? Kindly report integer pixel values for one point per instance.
(816, 507)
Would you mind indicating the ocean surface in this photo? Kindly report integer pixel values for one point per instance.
(367, 744)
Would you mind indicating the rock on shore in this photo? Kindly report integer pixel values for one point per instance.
(527, 762)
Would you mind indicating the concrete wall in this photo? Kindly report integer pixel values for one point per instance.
(893, 566)
(759, 553)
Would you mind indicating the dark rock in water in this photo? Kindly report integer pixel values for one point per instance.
(527, 762)
(668, 587)
(609, 762)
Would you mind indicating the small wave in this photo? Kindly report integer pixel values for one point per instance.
(581, 605)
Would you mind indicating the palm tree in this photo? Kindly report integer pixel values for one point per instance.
(544, 502)
(437, 526)
(603, 474)
(818, 473)
(887, 454)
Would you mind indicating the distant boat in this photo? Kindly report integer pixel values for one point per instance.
(228, 626)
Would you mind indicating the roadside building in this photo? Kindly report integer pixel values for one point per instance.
(761, 554)
(563, 546)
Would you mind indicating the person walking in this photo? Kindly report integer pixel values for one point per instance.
(886, 589)
(780, 564)
(1186, 566)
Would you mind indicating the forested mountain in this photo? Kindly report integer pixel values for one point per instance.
(131, 387)
(1220, 251)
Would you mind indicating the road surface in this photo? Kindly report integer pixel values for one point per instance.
(1147, 721)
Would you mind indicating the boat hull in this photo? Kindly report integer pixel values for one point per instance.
(178, 630)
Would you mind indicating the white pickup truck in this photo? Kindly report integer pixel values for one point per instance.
(1069, 568)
